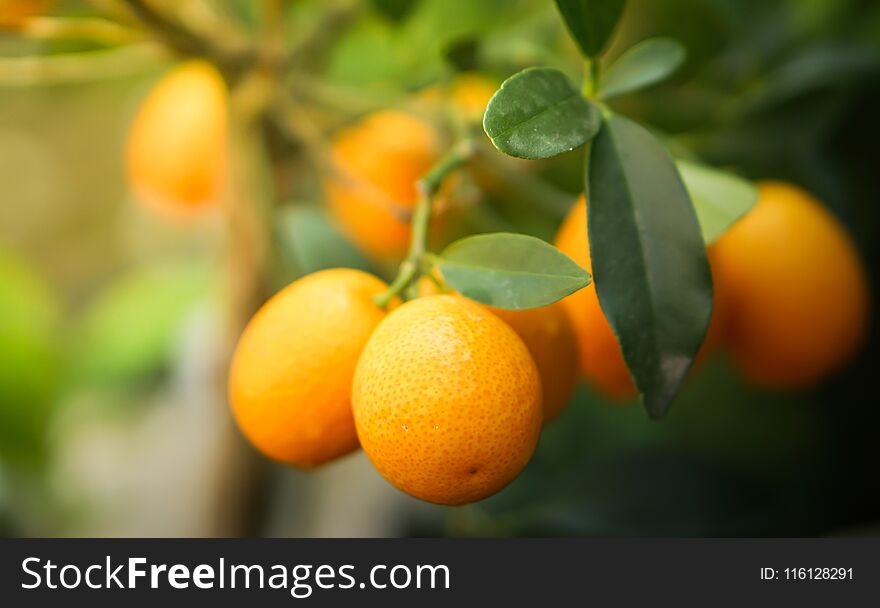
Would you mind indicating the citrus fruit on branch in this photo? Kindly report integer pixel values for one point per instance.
(447, 400)
(291, 374)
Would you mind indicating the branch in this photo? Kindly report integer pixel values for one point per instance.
(97, 30)
(421, 221)
(183, 40)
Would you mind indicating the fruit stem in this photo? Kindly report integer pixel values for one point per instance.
(427, 188)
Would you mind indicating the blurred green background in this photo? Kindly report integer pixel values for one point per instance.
(113, 418)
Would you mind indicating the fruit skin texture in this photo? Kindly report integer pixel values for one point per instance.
(600, 357)
(548, 334)
(290, 379)
(177, 146)
(795, 289)
(447, 400)
(379, 160)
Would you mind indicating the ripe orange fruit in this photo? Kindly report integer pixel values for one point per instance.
(447, 400)
(548, 334)
(178, 142)
(13, 13)
(600, 357)
(290, 379)
(796, 290)
(378, 161)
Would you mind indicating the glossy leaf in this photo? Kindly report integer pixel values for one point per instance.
(645, 64)
(538, 113)
(591, 22)
(648, 257)
(512, 271)
(720, 198)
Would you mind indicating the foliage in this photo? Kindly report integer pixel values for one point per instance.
(651, 271)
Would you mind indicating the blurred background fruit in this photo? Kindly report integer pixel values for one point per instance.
(14, 13)
(796, 290)
(177, 145)
(377, 163)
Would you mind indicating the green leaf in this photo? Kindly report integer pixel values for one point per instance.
(538, 113)
(308, 242)
(645, 64)
(464, 54)
(591, 22)
(512, 271)
(128, 332)
(719, 198)
(31, 347)
(811, 70)
(648, 257)
(395, 10)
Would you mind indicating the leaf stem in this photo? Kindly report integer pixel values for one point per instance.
(591, 78)
(428, 187)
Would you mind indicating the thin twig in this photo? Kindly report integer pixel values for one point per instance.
(171, 32)
(421, 221)
(332, 23)
(183, 40)
(89, 66)
(102, 31)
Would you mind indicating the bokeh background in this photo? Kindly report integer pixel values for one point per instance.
(113, 418)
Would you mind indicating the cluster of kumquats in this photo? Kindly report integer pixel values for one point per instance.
(447, 397)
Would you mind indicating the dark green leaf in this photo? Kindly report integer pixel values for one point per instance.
(539, 113)
(591, 22)
(648, 257)
(512, 271)
(645, 64)
(394, 9)
(812, 69)
(719, 198)
(464, 54)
